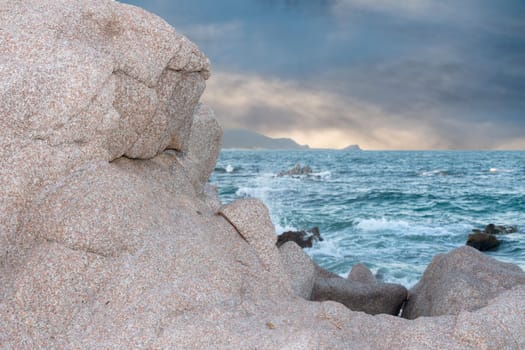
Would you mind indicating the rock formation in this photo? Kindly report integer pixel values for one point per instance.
(486, 239)
(367, 296)
(297, 170)
(462, 280)
(304, 239)
(361, 273)
(109, 236)
(482, 241)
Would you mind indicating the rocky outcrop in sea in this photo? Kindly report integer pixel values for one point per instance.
(110, 236)
(486, 239)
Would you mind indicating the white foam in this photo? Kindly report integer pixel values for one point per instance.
(322, 174)
(229, 168)
(401, 227)
(382, 224)
(496, 170)
(436, 172)
(253, 192)
(328, 247)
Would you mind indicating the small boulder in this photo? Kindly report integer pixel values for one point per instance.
(482, 241)
(362, 274)
(303, 238)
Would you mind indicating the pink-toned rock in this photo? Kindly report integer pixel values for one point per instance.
(105, 239)
(204, 146)
(361, 273)
(251, 219)
(461, 280)
(87, 81)
(299, 267)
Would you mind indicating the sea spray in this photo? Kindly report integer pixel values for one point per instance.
(393, 211)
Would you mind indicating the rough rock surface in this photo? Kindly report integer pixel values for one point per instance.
(105, 241)
(300, 269)
(463, 279)
(372, 298)
(361, 273)
(204, 146)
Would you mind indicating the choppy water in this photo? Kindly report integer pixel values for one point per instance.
(392, 211)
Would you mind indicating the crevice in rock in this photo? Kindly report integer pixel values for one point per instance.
(233, 225)
(120, 71)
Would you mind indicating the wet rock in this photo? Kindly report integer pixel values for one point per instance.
(304, 239)
(492, 229)
(296, 170)
(482, 241)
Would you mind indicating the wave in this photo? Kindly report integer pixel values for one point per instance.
(496, 170)
(396, 196)
(436, 172)
(253, 192)
(411, 230)
(382, 224)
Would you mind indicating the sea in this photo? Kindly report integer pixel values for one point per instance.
(392, 211)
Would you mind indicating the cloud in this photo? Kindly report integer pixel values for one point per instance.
(281, 108)
(212, 31)
(320, 118)
(382, 73)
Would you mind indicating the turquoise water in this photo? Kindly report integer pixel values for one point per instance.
(392, 211)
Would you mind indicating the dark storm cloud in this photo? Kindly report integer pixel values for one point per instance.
(443, 74)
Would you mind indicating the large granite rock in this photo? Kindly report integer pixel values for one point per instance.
(106, 240)
(462, 280)
(87, 81)
(300, 269)
(204, 146)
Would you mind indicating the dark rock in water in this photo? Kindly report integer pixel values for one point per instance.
(296, 170)
(482, 241)
(499, 229)
(372, 298)
(486, 239)
(303, 238)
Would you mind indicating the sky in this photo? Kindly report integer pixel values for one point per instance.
(384, 74)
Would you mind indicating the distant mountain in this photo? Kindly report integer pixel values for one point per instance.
(352, 148)
(245, 139)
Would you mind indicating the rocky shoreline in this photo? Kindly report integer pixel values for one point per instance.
(111, 237)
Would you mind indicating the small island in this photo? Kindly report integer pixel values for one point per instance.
(246, 139)
(352, 148)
